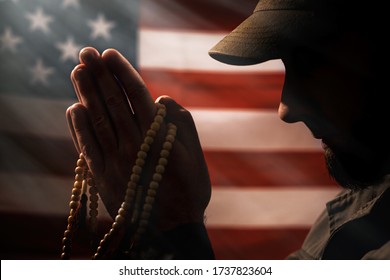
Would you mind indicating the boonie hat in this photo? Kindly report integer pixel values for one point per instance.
(273, 26)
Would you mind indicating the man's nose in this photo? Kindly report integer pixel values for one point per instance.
(285, 113)
(293, 109)
(295, 104)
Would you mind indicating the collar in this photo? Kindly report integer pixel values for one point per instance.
(350, 205)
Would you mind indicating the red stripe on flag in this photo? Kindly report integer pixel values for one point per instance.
(239, 168)
(227, 168)
(45, 232)
(255, 244)
(217, 90)
(194, 15)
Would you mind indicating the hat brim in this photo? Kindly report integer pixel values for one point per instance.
(263, 36)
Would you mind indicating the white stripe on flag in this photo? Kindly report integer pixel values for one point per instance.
(255, 130)
(267, 206)
(229, 207)
(250, 130)
(184, 50)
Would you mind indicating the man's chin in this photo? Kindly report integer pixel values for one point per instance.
(350, 172)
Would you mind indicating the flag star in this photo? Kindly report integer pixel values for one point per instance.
(41, 73)
(68, 3)
(9, 41)
(39, 20)
(69, 50)
(101, 27)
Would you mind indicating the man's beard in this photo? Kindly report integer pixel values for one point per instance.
(353, 172)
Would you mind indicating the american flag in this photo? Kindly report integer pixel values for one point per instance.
(269, 180)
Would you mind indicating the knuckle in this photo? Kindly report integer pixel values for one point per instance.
(114, 101)
(137, 91)
(185, 115)
(99, 121)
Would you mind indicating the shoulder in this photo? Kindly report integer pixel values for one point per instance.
(382, 253)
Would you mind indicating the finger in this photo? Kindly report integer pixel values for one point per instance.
(97, 112)
(85, 137)
(74, 83)
(71, 129)
(111, 92)
(182, 118)
(188, 143)
(141, 101)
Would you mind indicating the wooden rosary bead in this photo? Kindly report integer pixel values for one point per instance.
(140, 213)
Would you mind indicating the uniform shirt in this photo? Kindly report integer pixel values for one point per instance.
(354, 225)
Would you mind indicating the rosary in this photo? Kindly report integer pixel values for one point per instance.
(135, 210)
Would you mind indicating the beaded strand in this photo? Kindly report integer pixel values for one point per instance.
(154, 184)
(93, 203)
(93, 209)
(132, 189)
(132, 212)
(74, 205)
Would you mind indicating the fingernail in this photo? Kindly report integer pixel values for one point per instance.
(73, 110)
(88, 55)
(79, 74)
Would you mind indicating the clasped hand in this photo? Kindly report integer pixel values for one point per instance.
(108, 125)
